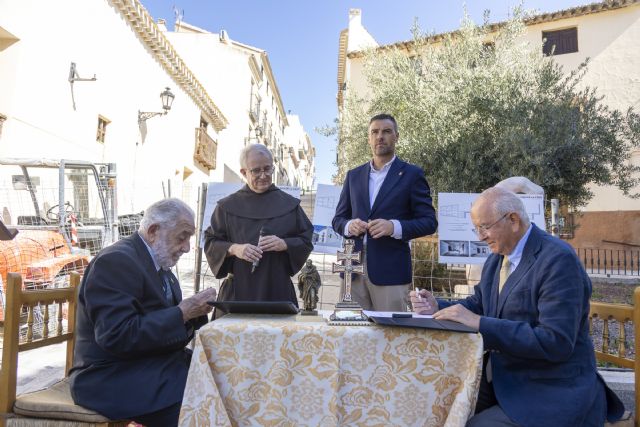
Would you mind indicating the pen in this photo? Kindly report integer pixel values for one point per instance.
(418, 293)
(255, 263)
(401, 315)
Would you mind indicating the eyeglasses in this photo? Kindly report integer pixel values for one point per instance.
(482, 229)
(256, 172)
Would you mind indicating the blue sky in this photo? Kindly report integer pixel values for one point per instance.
(301, 38)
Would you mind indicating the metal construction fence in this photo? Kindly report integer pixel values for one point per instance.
(428, 273)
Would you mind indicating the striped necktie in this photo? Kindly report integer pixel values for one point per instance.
(167, 278)
(505, 271)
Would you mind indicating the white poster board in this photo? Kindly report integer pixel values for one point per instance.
(457, 242)
(220, 190)
(325, 239)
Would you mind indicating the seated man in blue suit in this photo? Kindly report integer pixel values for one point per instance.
(384, 203)
(531, 307)
(133, 325)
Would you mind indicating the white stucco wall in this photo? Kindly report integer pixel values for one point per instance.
(610, 39)
(225, 73)
(223, 69)
(36, 97)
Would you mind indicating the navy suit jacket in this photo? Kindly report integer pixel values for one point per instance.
(542, 359)
(405, 196)
(129, 356)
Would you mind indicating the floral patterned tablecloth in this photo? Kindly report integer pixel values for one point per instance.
(283, 371)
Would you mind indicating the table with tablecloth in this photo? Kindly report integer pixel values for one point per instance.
(276, 370)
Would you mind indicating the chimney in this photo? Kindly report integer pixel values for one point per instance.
(358, 37)
(162, 25)
(224, 36)
(355, 17)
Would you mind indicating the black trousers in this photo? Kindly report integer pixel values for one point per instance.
(166, 417)
(486, 395)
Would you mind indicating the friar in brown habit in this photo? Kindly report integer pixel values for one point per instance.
(259, 234)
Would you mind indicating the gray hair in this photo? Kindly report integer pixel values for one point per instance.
(505, 201)
(167, 212)
(258, 148)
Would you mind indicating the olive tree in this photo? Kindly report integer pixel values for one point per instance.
(482, 105)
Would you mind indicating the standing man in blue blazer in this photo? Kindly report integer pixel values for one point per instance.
(384, 203)
(531, 308)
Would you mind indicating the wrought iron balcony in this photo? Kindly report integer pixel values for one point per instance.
(206, 149)
(254, 109)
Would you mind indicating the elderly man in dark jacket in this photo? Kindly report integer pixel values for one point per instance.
(133, 325)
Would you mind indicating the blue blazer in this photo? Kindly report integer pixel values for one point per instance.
(405, 196)
(542, 359)
(129, 356)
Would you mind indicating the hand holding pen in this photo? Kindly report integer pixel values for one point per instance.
(423, 302)
(256, 262)
(247, 252)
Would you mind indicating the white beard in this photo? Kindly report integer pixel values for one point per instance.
(164, 257)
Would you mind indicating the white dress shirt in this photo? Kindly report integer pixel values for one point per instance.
(516, 255)
(376, 178)
(152, 253)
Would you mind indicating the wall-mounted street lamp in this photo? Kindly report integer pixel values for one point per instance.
(167, 99)
(75, 77)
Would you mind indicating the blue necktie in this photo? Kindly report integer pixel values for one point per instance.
(167, 278)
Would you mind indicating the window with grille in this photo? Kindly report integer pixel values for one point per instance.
(102, 129)
(560, 42)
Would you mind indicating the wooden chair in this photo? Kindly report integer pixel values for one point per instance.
(54, 405)
(620, 313)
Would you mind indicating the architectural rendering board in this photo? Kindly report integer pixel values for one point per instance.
(457, 242)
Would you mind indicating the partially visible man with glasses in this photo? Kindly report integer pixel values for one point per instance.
(483, 229)
(531, 308)
(259, 236)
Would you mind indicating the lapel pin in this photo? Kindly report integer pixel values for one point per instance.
(400, 173)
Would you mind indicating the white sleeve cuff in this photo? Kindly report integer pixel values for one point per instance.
(397, 229)
(346, 228)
